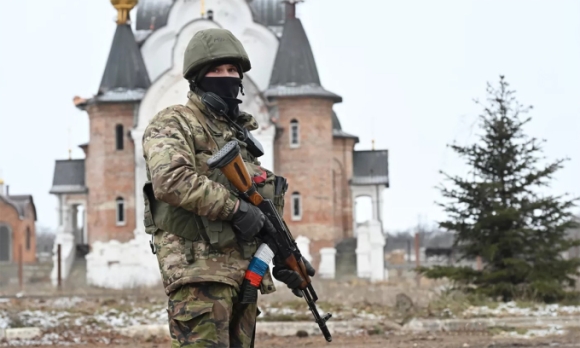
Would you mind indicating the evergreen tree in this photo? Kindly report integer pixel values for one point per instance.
(497, 212)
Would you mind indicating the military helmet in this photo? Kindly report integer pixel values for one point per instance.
(213, 46)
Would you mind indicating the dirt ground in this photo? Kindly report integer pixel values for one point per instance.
(461, 340)
(341, 294)
(419, 341)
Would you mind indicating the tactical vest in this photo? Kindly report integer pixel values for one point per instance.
(160, 216)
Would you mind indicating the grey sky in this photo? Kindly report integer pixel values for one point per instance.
(407, 70)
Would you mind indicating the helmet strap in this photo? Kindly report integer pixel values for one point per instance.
(193, 87)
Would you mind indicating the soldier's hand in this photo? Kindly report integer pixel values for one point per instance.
(291, 278)
(248, 220)
(309, 269)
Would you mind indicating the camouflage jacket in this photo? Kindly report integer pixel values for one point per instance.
(176, 148)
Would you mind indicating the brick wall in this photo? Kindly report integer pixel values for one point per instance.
(308, 168)
(342, 171)
(9, 216)
(110, 173)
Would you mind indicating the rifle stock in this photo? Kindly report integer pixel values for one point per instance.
(279, 239)
(229, 161)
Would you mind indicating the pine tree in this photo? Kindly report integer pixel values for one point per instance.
(497, 211)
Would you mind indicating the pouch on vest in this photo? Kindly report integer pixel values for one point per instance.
(219, 235)
(159, 215)
(248, 249)
(150, 227)
(280, 188)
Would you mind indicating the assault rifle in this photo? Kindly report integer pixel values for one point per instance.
(278, 240)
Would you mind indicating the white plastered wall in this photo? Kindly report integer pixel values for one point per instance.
(372, 191)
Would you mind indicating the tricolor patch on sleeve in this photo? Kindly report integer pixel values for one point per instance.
(259, 265)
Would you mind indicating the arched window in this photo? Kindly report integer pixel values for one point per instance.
(120, 211)
(296, 206)
(28, 238)
(294, 133)
(119, 137)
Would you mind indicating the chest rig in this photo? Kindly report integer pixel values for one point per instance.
(221, 237)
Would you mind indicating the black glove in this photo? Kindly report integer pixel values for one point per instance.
(289, 277)
(248, 220)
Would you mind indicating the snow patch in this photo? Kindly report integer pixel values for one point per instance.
(66, 302)
(552, 330)
(511, 309)
(4, 320)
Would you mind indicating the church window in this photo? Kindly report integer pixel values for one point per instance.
(296, 206)
(28, 238)
(119, 136)
(120, 211)
(294, 134)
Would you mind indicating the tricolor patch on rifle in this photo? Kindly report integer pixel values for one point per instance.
(259, 265)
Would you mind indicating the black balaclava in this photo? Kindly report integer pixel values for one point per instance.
(226, 88)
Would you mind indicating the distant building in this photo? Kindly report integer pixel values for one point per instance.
(17, 226)
(301, 134)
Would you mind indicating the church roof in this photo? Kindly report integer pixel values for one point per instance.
(270, 13)
(19, 203)
(13, 204)
(125, 77)
(69, 177)
(371, 167)
(22, 201)
(335, 122)
(153, 14)
(295, 73)
(337, 131)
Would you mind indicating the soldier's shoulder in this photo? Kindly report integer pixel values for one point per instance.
(170, 112)
(178, 116)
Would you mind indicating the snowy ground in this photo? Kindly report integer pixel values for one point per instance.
(74, 320)
(110, 313)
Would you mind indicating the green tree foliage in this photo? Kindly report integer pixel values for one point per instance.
(497, 211)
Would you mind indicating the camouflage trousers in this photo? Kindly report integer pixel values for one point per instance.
(209, 315)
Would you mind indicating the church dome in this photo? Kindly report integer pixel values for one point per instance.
(152, 14)
(271, 13)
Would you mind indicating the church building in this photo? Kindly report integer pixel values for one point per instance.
(301, 134)
(17, 227)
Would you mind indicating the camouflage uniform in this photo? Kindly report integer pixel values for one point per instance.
(201, 271)
(176, 149)
(208, 315)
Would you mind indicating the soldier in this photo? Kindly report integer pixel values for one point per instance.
(203, 234)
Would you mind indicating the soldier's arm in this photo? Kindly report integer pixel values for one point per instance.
(170, 158)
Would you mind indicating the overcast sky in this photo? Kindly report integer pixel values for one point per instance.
(407, 70)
